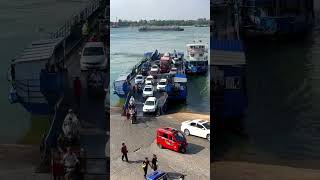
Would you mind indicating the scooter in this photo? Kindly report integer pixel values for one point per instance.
(133, 116)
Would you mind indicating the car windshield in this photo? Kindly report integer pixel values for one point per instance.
(149, 79)
(162, 83)
(93, 51)
(206, 125)
(154, 66)
(147, 89)
(180, 137)
(139, 77)
(149, 103)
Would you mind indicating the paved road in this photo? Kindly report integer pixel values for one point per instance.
(140, 142)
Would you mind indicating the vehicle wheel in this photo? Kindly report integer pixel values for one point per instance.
(160, 146)
(183, 150)
(208, 137)
(186, 132)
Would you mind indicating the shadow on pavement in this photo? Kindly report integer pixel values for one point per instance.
(194, 148)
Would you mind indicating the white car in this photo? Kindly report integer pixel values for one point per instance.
(93, 56)
(162, 84)
(149, 80)
(150, 105)
(173, 70)
(147, 91)
(139, 79)
(154, 68)
(197, 127)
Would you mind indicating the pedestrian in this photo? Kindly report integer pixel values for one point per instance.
(145, 165)
(124, 152)
(77, 87)
(154, 162)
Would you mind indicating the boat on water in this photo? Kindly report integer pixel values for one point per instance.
(277, 17)
(227, 65)
(160, 28)
(159, 88)
(197, 58)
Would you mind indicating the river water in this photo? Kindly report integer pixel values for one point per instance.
(128, 46)
(22, 22)
(282, 124)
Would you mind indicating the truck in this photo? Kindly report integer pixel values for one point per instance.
(165, 64)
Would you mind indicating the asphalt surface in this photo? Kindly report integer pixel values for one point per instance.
(140, 141)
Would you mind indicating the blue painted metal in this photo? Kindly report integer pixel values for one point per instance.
(226, 45)
(156, 175)
(182, 92)
(52, 86)
(37, 108)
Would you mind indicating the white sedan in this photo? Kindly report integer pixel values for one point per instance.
(197, 127)
(147, 91)
(139, 79)
(150, 105)
(154, 68)
(149, 80)
(162, 84)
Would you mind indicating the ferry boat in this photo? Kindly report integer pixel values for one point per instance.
(160, 28)
(277, 17)
(38, 76)
(197, 58)
(176, 87)
(227, 66)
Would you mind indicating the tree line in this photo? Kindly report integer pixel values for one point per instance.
(200, 22)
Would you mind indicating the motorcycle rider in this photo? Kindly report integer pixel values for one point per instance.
(71, 125)
(70, 162)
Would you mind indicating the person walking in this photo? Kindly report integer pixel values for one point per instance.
(145, 165)
(77, 87)
(154, 162)
(124, 152)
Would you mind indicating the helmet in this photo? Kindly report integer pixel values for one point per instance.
(70, 111)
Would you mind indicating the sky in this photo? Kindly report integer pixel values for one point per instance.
(159, 9)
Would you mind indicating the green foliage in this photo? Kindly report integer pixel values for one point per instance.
(201, 22)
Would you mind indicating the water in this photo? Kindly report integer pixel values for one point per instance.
(283, 124)
(128, 46)
(22, 22)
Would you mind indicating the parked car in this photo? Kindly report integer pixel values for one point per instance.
(150, 105)
(149, 80)
(172, 139)
(173, 70)
(145, 69)
(197, 127)
(147, 91)
(162, 84)
(139, 79)
(161, 175)
(155, 68)
(93, 56)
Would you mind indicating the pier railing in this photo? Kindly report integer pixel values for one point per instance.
(65, 29)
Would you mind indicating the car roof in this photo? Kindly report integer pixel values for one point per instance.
(200, 121)
(94, 44)
(168, 130)
(151, 99)
(154, 65)
(150, 76)
(148, 86)
(139, 75)
(163, 80)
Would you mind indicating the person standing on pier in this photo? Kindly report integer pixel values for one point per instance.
(124, 152)
(145, 165)
(77, 87)
(154, 162)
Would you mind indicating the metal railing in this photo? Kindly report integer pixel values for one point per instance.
(27, 88)
(84, 14)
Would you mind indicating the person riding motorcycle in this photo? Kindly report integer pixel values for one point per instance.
(71, 125)
(70, 162)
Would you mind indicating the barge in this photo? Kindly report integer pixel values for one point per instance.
(174, 87)
(160, 28)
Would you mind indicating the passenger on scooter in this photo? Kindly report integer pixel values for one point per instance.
(131, 102)
(70, 162)
(71, 125)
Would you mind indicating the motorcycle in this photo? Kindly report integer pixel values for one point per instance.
(132, 116)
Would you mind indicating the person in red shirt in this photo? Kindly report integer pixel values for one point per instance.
(57, 167)
(77, 87)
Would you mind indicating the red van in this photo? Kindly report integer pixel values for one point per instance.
(171, 138)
